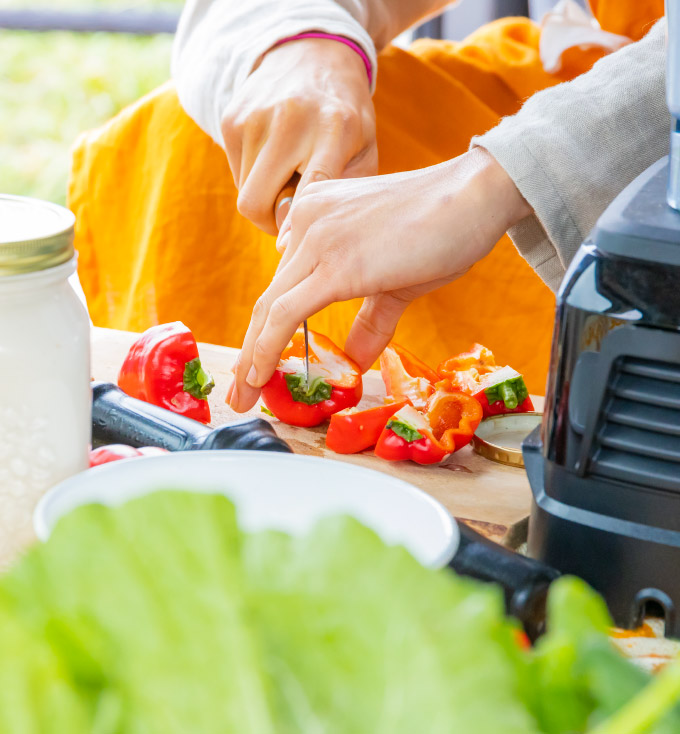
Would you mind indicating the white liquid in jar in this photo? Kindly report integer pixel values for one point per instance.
(45, 395)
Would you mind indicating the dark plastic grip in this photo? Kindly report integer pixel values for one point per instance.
(525, 581)
(119, 418)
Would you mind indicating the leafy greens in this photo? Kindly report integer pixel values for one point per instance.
(161, 616)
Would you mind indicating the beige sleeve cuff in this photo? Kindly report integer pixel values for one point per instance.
(573, 148)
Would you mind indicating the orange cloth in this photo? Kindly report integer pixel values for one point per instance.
(160, 239)
(632, 18)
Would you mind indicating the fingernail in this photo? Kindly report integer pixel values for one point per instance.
(282, 241)
(252, 377)
(318, 176)
(233, 398)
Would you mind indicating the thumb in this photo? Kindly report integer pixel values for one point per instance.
(374, 327)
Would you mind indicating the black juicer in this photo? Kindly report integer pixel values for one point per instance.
(604, 467)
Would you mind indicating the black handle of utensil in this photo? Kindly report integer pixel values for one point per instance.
(119, 418)
(525, 581)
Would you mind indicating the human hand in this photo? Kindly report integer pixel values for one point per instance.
(307, 108)
(389, 239)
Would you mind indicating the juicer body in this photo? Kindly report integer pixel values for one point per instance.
(604, 467)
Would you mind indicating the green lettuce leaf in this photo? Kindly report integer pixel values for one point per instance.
(162, 617)
(578, 679)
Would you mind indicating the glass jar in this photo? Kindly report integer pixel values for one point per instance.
(45, 394)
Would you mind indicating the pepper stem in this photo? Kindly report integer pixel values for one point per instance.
(508, 395)
(315, 392)
(197, 381)
(512, 392)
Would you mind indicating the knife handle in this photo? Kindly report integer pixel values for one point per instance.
(285, 197)
(525, 581)
(119, 418)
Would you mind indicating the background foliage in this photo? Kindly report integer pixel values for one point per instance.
(54, 85)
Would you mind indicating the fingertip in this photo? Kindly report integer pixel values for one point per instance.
(282, 241)
(312, 176)
(232, 396)
(365, 347)
(230, 390)
(247, 397)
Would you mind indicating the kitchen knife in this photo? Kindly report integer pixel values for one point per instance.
(119, 418)
(285, 197)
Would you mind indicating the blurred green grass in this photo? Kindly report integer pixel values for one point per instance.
(55, 85)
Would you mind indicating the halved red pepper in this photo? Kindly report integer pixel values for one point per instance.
(163, 368)
(503, 391)
(498, 389)
(335, 382)
(429, 437)
(353, 430)
(118, 451)
(406, 377)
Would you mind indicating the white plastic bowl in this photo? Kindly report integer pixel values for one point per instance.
(271, 491)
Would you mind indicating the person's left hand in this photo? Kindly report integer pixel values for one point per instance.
(389, 239)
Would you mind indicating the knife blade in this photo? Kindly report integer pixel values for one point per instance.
(304, 326)
(286, 197)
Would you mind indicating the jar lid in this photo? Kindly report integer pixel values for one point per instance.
(499, 438)
(34, 235)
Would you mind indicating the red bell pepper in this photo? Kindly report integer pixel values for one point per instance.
(498, 389)
(334, 382)
(503, 391)
(429, 437)
(353, 430)
(163, 368)
(522, 639)
(118, 451)
(406, 377)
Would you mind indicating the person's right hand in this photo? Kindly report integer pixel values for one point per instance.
(307, 108)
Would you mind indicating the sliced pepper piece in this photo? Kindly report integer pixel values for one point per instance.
(498, 389)
(118, 451)
(353, 430)
(407, 436)
(478, 357)
(454, 417)
(163, 368)
(406, 377)
(503, 391)
(429, 437)
(335, 382)
(413, 365)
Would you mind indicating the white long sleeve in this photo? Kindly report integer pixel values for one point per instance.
(218, 42)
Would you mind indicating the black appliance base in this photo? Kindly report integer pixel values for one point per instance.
(635, 567)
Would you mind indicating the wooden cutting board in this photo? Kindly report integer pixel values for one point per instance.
(492, 498)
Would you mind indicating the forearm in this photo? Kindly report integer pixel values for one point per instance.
(219, 42)
(573, 148)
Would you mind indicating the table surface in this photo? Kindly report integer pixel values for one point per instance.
(493, 498)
